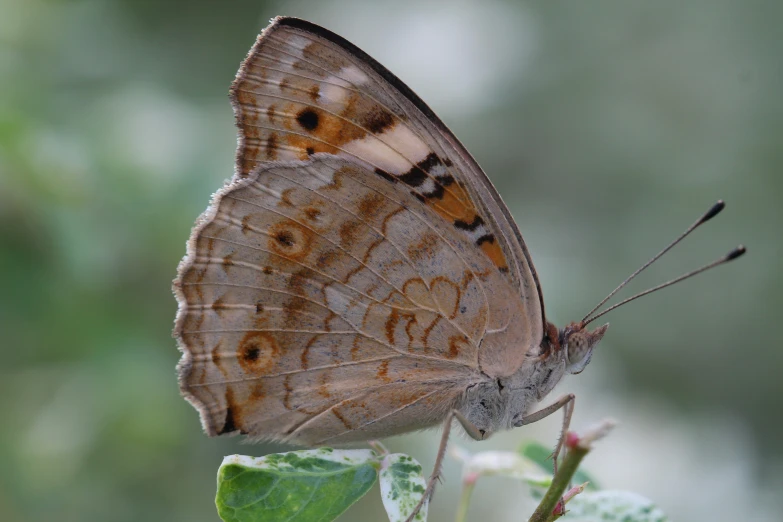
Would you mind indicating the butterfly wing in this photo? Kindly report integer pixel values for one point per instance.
(319, 304)
(304, 90)
(360, 272)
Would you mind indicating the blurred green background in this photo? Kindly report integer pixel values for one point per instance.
(607, 126)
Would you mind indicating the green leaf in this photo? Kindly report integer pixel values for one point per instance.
(613, 506)
(298, 486)
(402, 486)
(539, 454)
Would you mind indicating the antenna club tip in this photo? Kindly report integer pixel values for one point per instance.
(713, 211)
(734, 254)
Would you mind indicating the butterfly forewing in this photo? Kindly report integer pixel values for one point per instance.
(304, 89)
(360, 272)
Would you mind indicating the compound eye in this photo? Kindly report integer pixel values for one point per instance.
(579, 352)
(577, 348)
(580, 345)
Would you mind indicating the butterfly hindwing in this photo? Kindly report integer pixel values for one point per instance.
(312, 284)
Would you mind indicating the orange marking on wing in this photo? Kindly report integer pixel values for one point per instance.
(257, 352)
(306, 353)
(391, 324)
(326, 258)
(288, 391)
(258, 393)
(246, 98)
(323, 387)
(246, 224)
(370, 206)
(414, 288)
(427, 331)
(424, 248)
(296, 305)
(234, 419)
(495, 254)
(404, 396)
(311, 213)
(271, 114)
(371, 249)
(217, 357)
(454, 204)
(218, 305)
(383, 372)
(289, 239)
(355, 348)
(271, 146)
(349, 233)
(303, 143)
(342, 419)
(456, 345)
(228, 261)
(412, 321)
(447, 292)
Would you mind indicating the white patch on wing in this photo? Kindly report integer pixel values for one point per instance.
(400, 150)
(477, 233)
(438, 170)
(276, 196)
(426, 187)
(318, 178)
(336, 301)
(333, 94)
(343, 306)
(293, 40)
(338, 81)
(377, 155)
(404, 141)
(354, 75)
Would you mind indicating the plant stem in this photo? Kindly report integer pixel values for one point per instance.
(464, 501)
(545, 510)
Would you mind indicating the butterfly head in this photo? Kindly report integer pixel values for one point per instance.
(577, 344)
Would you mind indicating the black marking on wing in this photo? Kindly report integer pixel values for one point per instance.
(308, 119)
(385, 175)
(440, 188)
(473, 225)
(486, 238)
(229, 425)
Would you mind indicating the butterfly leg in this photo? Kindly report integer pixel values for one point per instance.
(379, 447)
(567, 403)
(471, 429)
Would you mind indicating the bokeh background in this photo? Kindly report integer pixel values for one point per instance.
(607, 126)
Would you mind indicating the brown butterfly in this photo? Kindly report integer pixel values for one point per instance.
(360, 276)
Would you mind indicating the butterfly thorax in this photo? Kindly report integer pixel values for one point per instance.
(499, 404)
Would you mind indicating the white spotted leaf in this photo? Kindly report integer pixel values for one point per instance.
(613, 506)
(298, 486)
(402, 487)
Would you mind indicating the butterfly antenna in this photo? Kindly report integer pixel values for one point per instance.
(734, 254)
(711, 213)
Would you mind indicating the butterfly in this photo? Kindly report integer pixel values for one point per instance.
(359, 277)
